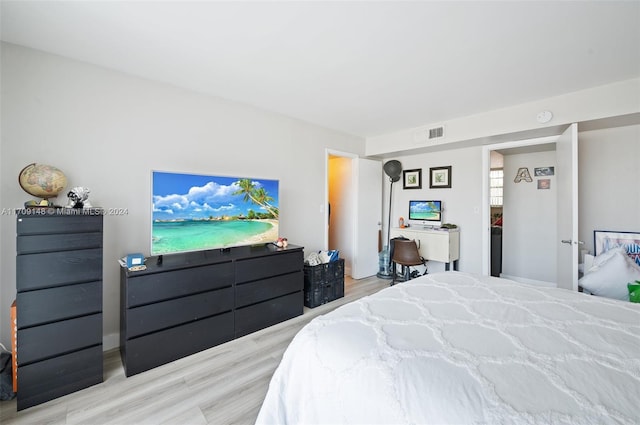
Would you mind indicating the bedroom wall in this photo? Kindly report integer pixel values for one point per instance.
(107, 131)
(609, 174)
(529, 236)
(461, 203)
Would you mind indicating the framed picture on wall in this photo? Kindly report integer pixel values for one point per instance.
(544, 183)
(604, 240)
(544, 171)
(440, 177)
(412, 179)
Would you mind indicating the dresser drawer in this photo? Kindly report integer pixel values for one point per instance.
(273, 265)
(267, 313)
(55, 377)
(155, 287)
(153, 317)
(149, 351)
(32, 244)
(36, 271)
(261, 290)
(41, 342)
(61, 224)
(64, 302)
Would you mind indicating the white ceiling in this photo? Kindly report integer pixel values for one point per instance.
(364, 68)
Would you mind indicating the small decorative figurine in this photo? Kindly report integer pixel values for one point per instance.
(78, 197)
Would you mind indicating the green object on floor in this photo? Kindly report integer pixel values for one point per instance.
(634, 291)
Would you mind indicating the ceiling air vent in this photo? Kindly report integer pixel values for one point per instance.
(436, 133)
(425, 135)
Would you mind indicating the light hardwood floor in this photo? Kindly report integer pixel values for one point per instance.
(222, 385)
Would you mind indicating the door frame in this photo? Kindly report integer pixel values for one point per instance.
(567, 266)
(486, 208)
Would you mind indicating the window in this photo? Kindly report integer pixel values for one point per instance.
(496, 177)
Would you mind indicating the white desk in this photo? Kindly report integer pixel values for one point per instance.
(434, 245)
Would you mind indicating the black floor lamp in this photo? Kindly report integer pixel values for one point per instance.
(393, 170)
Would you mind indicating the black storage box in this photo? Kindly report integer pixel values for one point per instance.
(323, 283)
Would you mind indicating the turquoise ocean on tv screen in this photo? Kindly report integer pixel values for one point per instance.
(187, 235)
(427, 215)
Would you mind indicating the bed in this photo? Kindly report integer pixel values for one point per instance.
(456, 348)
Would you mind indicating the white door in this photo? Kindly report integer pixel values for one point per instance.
(368, 217)
(567, 231)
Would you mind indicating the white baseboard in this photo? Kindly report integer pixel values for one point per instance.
(530, 281)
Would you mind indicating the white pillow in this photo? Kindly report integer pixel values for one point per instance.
(605, 256)
(610, 274)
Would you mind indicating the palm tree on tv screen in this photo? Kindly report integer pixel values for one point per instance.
(258, 196)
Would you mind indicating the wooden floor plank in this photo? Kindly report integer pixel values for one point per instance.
(222, 385)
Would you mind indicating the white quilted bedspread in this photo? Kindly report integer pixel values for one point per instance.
(454, 348)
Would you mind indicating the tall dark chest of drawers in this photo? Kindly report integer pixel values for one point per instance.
(59, 303)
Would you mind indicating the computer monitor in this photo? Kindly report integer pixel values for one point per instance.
(427, 212)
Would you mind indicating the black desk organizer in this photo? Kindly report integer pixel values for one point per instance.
(323, 283)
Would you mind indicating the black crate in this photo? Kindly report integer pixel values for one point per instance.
(339, 289)
(335, 270)
(323, 293)
(314, 298)
(315, 275)
(323, 283)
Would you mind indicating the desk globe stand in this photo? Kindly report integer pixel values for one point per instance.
(44, 203)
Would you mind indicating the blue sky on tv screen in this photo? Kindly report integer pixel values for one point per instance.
(193, 196)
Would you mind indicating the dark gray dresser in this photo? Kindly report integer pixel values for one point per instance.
(194, 301)
(58, 302)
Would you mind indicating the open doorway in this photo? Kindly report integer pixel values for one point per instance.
(523, 230)
(340, 208)
(353, 211)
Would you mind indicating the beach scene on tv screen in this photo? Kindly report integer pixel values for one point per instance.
(194, 212)
(424, 210)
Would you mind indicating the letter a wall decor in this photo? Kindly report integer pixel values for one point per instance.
(523, 174)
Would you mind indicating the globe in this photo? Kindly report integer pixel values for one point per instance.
(42, 181)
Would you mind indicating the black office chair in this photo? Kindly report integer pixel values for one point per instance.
(405, 253)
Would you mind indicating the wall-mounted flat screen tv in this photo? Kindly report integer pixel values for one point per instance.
(428, 211)
(193, 212)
